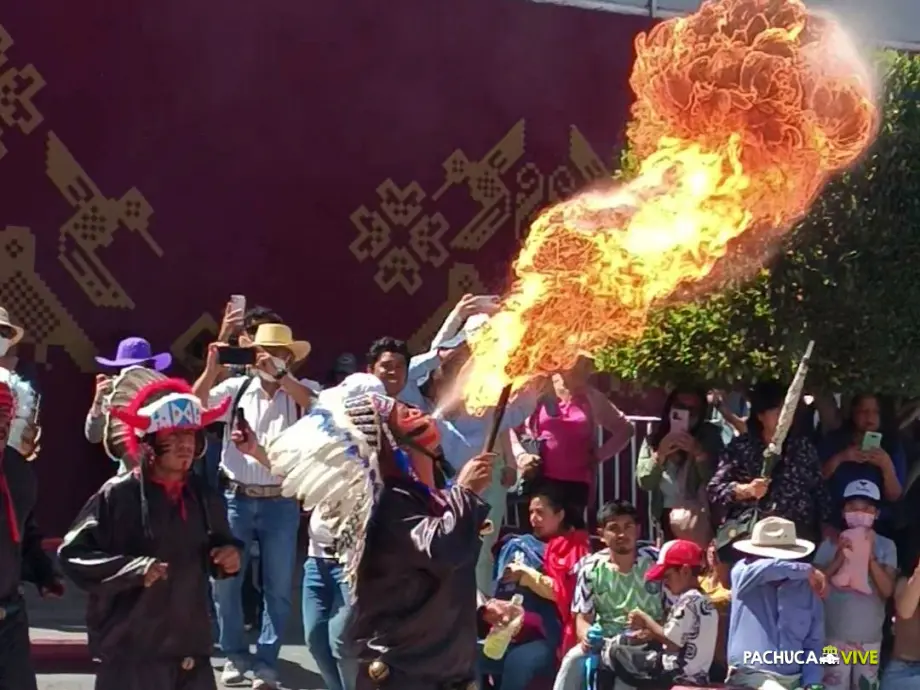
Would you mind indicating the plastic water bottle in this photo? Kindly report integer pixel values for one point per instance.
(595, 638)
(499, 637)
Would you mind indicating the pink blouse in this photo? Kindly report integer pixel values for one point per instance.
(568, 439)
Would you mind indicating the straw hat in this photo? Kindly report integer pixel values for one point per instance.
(279, 335)
(774, 537)
(18, 331)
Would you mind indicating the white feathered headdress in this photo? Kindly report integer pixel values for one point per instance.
(329, 461)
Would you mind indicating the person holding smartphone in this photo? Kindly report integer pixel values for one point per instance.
(133, 351)
(863, 448)
(676, 463)
(271, 399)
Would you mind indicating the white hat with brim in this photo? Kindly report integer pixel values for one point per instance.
(18, 331)
(774, 537)
(279, 335)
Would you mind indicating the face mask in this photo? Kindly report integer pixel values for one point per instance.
(859, 519)
(4, 346)
(279, 363)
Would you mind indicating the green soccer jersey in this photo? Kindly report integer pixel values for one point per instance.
(610, 595)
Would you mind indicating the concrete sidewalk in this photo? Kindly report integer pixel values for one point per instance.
(57, 627)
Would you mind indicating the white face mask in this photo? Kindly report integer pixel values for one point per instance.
(4, 346)
(279, 363)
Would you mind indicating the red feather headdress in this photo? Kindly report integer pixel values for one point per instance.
(166, 405)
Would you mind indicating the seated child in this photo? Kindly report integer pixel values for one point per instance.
(688, 637)
(853, 620)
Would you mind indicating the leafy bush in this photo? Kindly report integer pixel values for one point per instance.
(848, 276)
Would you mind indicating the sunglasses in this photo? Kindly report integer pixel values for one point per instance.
(7, 332)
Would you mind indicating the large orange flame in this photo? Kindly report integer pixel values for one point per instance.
(743, 111)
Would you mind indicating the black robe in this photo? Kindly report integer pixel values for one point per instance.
(143, 635)
(415, 607)
(19, 561)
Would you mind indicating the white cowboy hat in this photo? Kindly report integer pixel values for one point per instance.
(774, 537)
(279, 335)
(18, 331)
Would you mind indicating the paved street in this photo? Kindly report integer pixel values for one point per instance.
(298, 672)
(64, 619)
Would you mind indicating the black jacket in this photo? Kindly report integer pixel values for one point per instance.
(24, 560)
(107, 553)
(415, 603)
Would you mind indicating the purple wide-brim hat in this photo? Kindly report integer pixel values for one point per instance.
(133, 351)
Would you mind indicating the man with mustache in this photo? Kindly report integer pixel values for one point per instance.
(145, 544)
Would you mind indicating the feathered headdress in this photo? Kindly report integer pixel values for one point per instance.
(25, 401)
(116, 435)
(162, 404)
(334, 459)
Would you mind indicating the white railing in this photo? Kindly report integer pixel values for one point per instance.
(622, 467)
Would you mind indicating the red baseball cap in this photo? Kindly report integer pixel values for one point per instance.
(674, 554)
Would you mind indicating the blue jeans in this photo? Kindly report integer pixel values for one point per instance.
(325, 613)
(520, 665)
(901, 675)
(273, 522)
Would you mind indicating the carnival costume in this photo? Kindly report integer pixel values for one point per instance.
(156, 637)
(21, 555)
(409, 550)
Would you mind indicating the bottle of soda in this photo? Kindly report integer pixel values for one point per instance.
(496, 643)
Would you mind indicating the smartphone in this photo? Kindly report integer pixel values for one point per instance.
(238, 303)
(871, 440)
(236, 356)
(239, 420)
(680, 420)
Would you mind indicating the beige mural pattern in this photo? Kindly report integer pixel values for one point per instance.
(406, 228)
(82, 238)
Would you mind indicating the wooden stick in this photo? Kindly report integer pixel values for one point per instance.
(497, 419)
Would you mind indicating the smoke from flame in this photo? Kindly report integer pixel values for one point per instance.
(743, 111)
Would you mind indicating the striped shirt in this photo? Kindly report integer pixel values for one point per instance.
(267, 416)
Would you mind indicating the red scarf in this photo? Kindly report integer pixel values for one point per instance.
(7, 498)
(173, 491)
(559, 559)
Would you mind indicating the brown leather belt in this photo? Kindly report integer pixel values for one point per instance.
(253, 490)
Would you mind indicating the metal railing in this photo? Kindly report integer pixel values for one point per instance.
(616, 479)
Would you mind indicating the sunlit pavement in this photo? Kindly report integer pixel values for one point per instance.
(298, 672)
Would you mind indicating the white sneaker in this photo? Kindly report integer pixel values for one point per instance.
(231, 674)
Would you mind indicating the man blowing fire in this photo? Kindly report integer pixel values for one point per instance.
(410, 541)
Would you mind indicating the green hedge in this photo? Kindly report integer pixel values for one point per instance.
(848, 276)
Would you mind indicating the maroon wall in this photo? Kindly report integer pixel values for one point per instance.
(355, 166)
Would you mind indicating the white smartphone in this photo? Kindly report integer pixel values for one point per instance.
(238, 303)
(680, 420)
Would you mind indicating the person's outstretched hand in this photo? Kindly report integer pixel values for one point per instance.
(476, 474)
